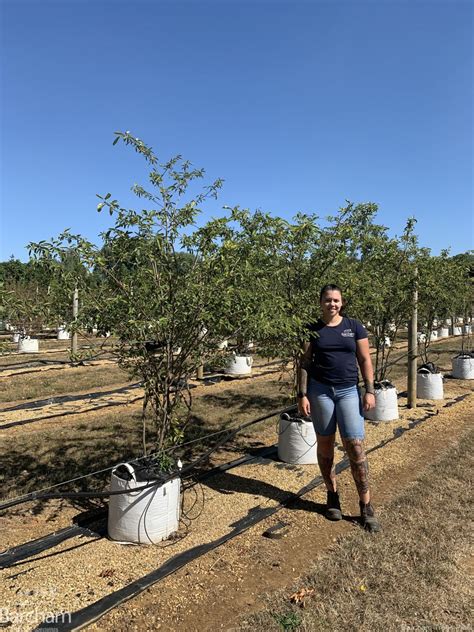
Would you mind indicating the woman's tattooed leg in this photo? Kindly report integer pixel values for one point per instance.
(325, 453)
(359, 465)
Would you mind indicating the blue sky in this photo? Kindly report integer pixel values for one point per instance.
(298, 105)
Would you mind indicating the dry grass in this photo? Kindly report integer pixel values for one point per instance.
(52, 349)
(413, 576)
(44, 384)
(440, 353)
(33, 460)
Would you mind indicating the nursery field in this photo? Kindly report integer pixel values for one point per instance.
(268, 533)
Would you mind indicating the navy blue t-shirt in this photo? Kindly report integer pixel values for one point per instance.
(333, 351)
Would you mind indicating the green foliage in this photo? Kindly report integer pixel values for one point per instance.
(151, 286)
(445, 290)
(170, 292)
(381, 289)
(289, 621)
(24, 296)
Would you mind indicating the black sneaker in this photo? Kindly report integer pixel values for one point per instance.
(333, 508)
(367, 518)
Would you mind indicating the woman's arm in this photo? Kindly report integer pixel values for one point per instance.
(304, 364)
(365, 363)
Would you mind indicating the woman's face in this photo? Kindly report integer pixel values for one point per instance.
(331, 303)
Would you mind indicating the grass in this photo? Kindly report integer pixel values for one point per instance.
(440, 353)
(53, 350)
(43, 384)
(412, 576)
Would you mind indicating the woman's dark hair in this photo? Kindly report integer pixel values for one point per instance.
(329, 288)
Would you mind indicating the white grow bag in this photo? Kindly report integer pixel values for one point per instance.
(63, 334)
(443, 332)
(457, 330)
(296, 440)
(429, 385)
(146, 516)
(386, 405)
(239, 365)
(28, 345)
(463, 367)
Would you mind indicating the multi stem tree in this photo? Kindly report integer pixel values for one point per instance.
(161, 289)
(248, 244)
(25, 298)
(312, 254)
(382, 289)
(436, 284)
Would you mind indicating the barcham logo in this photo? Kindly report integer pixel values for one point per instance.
(20, 617)
(348, 333)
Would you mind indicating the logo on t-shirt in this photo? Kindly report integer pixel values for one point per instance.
(348, 333)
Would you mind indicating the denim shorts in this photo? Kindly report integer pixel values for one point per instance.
(336, 406)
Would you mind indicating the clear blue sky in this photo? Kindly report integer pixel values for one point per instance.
(298, 105)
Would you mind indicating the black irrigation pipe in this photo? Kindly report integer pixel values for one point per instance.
(16, 554)
(62, 399)
(49, 365)
(37, 370)
(457, 399)
(40, 361)
(21, 552)
(31, 365)
(24, 422)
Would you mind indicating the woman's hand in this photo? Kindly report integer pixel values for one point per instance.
(304, 407)
(369, 401)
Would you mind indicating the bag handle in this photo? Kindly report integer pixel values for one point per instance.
(128, 467)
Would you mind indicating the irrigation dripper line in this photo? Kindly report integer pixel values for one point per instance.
(52, 367)
(24, 422)
(63, 399)
(31, 364)
(39, 369)
(16, 554)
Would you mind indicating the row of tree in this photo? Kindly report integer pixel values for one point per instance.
(170, 290)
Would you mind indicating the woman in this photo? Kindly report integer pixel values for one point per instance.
(328, 392)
